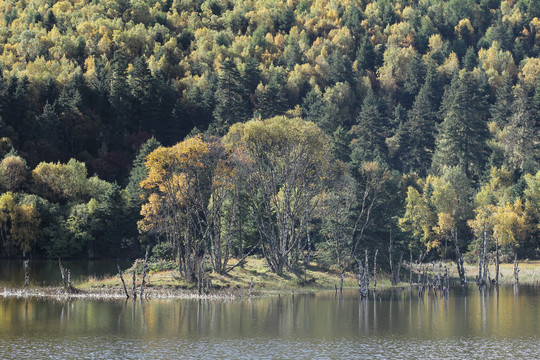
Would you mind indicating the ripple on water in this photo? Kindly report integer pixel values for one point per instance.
(374, 348)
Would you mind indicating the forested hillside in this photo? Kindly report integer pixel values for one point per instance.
(416, 126)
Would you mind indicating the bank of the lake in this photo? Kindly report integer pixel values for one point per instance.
(251, 278)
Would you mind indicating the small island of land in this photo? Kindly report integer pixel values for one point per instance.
(250, 278)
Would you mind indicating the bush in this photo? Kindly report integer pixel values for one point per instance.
(163, 251)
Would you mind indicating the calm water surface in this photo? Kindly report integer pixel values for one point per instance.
(47, 273)
(468, 324)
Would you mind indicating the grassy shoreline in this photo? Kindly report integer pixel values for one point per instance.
(237, 284)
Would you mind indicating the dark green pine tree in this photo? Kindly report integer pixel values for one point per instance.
(231, 106)
(136, 196)
(50, 20)
(251, 77)
(139, 172)
(120, 96)
(414, 80)
(470, 60)
(16, 102)
(340, 68)
(273, 100)
(110, 225)
(535, 106)
(49, 124)
(434, 85)
(181, 123)
(418, 143)
(4, 96)
(163, 96)
(501, 110)
(198, 104)
(533, 9)
(71, 118)
(141, 90)
(352, 18)
(366, 55)
(462, 136)
(292, 54)
(321, 112)
(369, 132)
(50, 93)
(313, 107)
(386, 12)
(340, 145)
(521, 138)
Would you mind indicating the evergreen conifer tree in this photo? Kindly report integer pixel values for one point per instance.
(369, 132)
(419, 134)
(231, 106)
(501, 110)
(462, 136)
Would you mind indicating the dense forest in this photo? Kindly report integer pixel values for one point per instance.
(300, 131)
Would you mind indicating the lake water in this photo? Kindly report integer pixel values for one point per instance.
(47, 273)
(468, 324)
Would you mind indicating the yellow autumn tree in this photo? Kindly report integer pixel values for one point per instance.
(175, 176)
(285, 168)
(19, 224)
(498, 217)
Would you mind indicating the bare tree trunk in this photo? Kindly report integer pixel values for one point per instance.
(497, 261)
(308, 241)
(134, 288)
(66, 276)
(439, 277)
(433, 281)
(420, 283)
(486, 264)
(459, 260)
(390, 258)
(483, 263)
(410, 267)
(375, 272)
(363, 287)
(480, 263)
(366, 273)
(143, 283)
(446, 281)
(62, 273)
(341, 283)
(26, 273)
(122, 278)
(516, 271)
(398, 275)
(200, 278)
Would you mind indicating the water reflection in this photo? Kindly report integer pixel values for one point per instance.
(399, 324)
(47, 273)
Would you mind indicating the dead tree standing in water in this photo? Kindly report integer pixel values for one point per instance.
(395, 274)
(341, 284)
(122, 278)
(144, 271)
(410, 267)
(134, 288)
(459, 261)
(516, 271)
(483, 263)
(375, 272)
(26, 273)
(366, 272)
(66, 278)
(362, 286)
